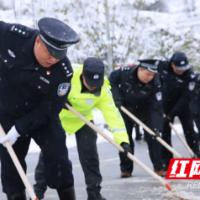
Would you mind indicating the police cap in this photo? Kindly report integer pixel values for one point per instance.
(179, 59)
(93, 70)
(57, 36)
(149, 64)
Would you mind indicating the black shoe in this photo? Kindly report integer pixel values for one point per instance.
(66, 193)
(160, 172)
(17, 196)
(126, 174)
(96, 196)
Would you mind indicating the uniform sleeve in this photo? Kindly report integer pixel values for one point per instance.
(113, 118)
(156, 110)
(163, 65)
(49, 108)
(195, 98)
(115, 84)
(184, 99)
(3, 29)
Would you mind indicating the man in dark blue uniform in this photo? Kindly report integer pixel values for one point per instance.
(35, 77)
(178, 80)
(138, 89)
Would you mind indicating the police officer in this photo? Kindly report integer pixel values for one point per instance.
(138, 89)
(35, 79)
(90, 89)
(178, 82)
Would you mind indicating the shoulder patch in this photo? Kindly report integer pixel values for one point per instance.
(63, 89)
(21, 30)
(191, 86)
(159, 96)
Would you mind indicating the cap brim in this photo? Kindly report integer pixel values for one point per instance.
(183, 68)
(94, 83)
(152, 70)
(56, 53)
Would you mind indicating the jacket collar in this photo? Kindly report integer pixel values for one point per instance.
(133, 73)
(28, 47)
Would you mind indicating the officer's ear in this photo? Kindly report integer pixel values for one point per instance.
(173, 66)
(37, 41)
(82, 75)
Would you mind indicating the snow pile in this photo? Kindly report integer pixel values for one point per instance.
(178, 193)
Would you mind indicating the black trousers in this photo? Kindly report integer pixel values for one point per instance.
(51, 139)
(87, 149)
(190, 135)
(154, 147)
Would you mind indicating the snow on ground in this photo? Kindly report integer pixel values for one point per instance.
(179, 194)
(100, 122)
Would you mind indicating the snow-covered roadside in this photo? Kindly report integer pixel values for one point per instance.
(100, 122)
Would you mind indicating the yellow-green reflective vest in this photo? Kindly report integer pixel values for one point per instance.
(84, 103)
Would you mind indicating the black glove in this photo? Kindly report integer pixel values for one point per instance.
(118, 103)
(157, 132)
(65, 107)
(167, 119)
(126, 148)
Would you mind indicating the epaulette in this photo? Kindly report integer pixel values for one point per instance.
(126, 68)
(66, 68)
(21, 30)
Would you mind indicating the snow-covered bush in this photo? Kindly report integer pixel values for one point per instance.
(111, 29)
